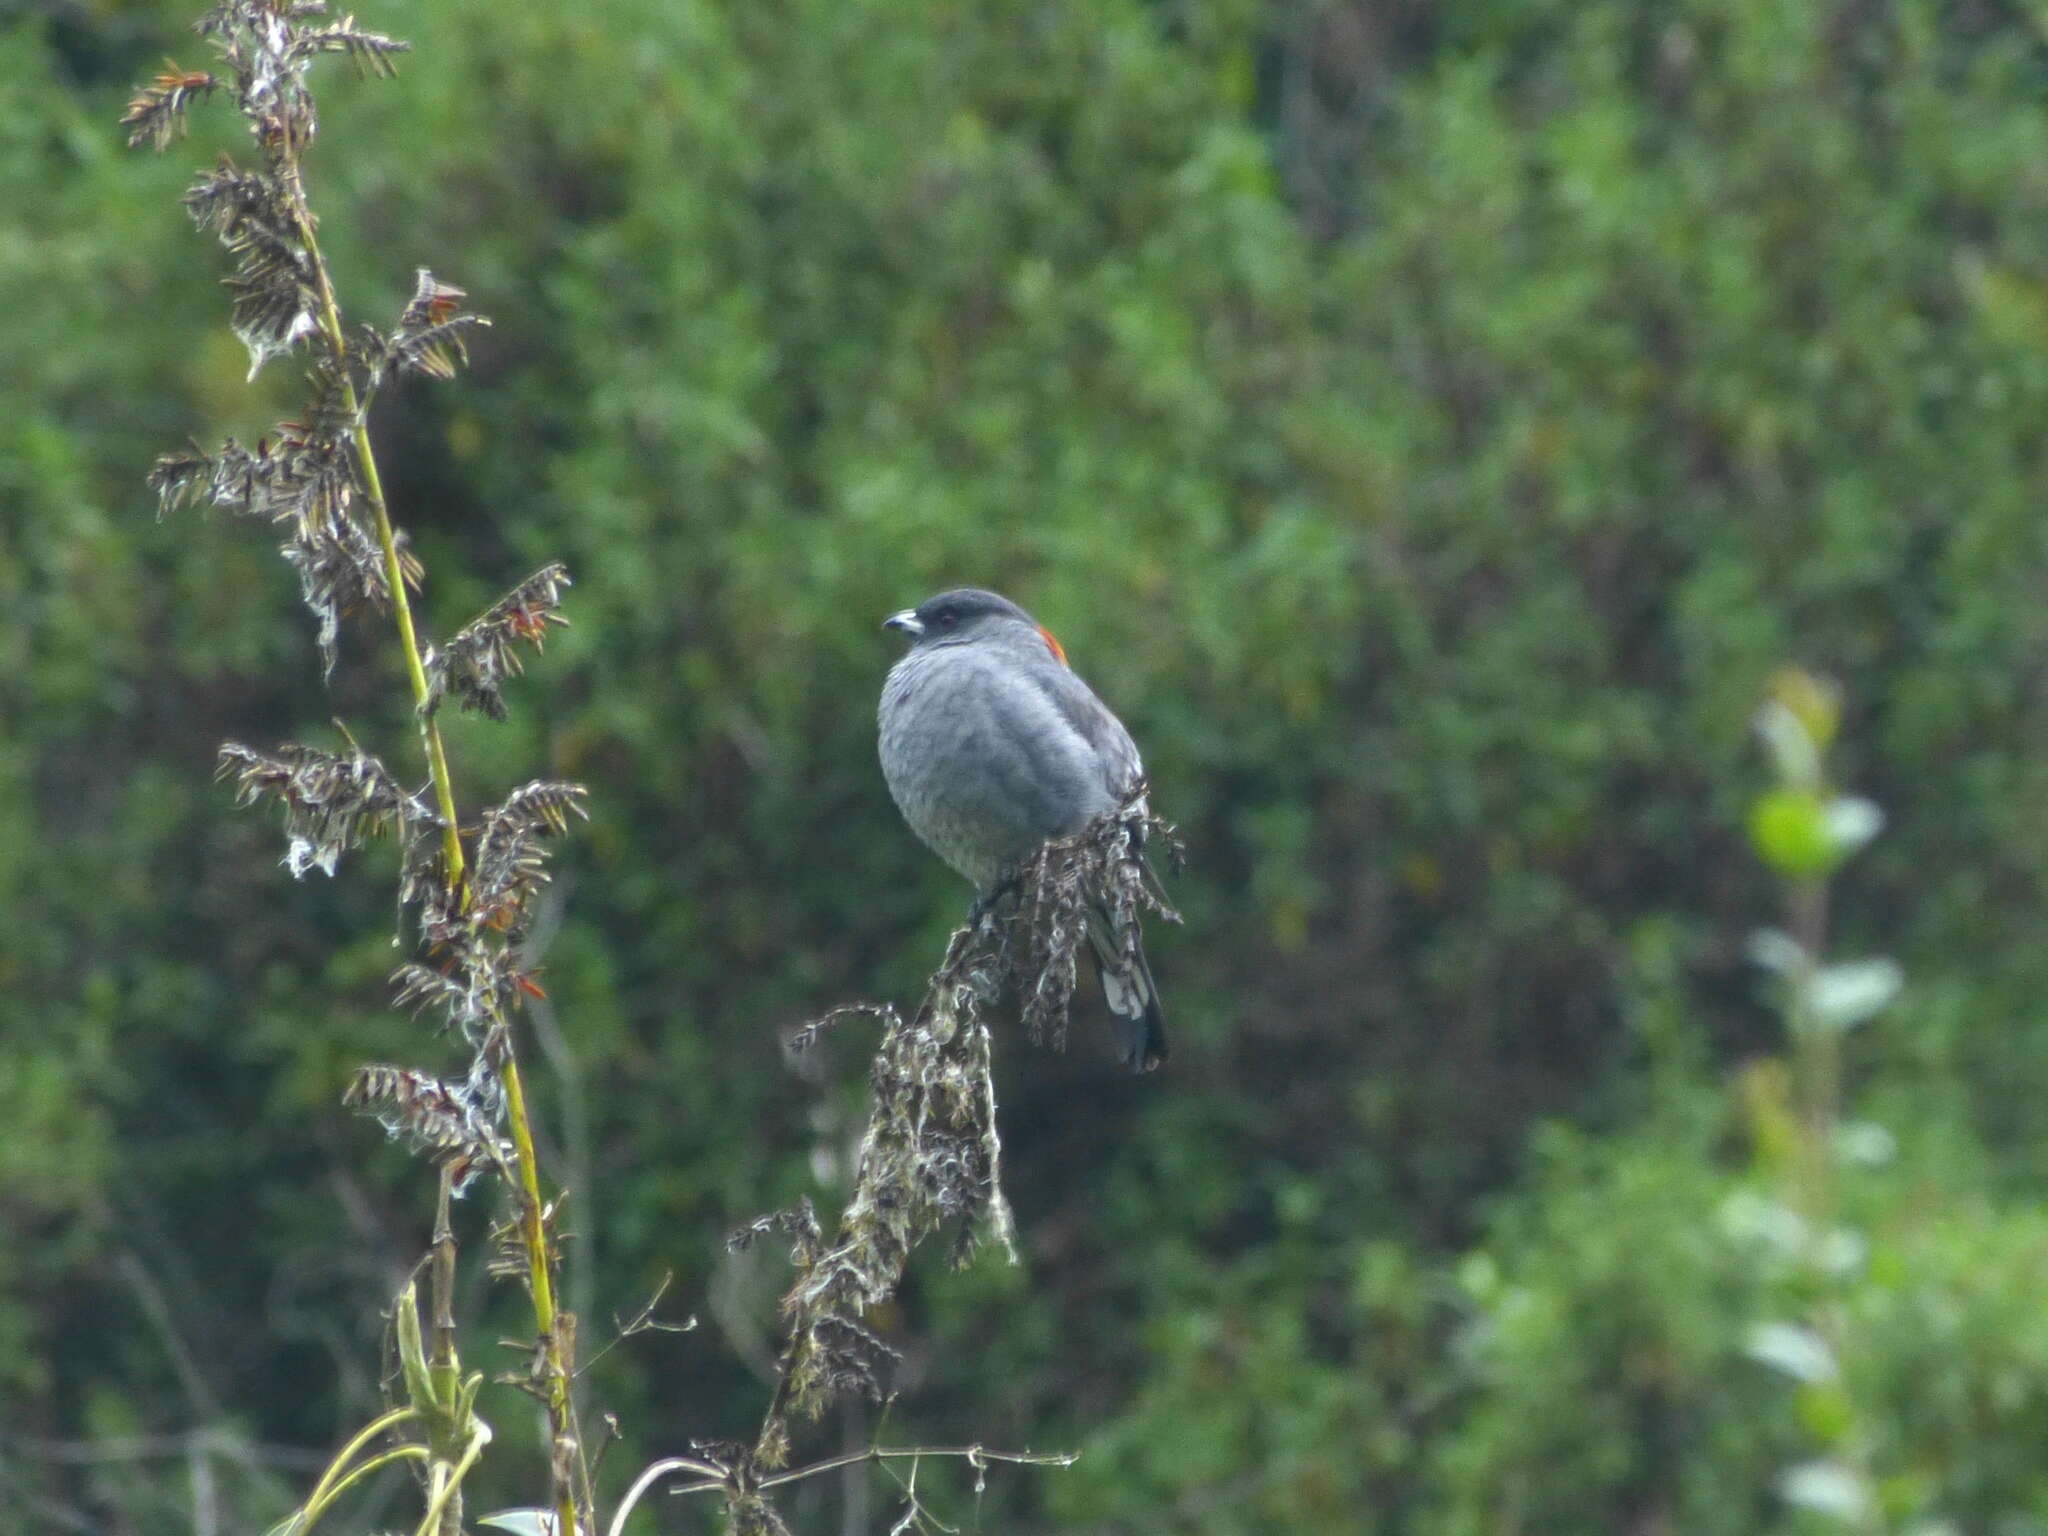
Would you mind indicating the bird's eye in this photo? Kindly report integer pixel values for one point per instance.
(948, 620)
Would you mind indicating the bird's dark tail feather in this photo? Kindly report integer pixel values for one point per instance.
(1136, 1022)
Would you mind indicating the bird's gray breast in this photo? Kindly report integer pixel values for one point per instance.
(982, 762)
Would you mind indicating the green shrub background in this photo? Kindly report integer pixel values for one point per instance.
(1428, 426)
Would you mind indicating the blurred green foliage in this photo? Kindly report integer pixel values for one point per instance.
(1428, 426)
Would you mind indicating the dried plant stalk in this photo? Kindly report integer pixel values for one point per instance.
(316, 478)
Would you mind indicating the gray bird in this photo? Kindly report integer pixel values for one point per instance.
(991, 744)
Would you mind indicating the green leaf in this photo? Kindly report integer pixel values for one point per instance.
(1864, 1144)
(1749, 1217)
(1789, 828)
(1844, 995)
(1827, 1412)
(1827, 1488)
(1776, 950)
(1794, 753)
(523, 1522)
(1852, 821)
(1798, 1351)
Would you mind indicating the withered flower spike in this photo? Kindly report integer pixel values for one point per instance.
(430, 337)
(510, 859)
(423, 881)
(237, 204)
(274, 285)
(370, 52)
(749, 1514)
(305, 477)
(452, 1123)
(477, 659)
(294, 479)
(418, 986)
(476, 993)
(931, 1156)
(340, 568)
(1042, 926)
(223, 18)
(332, 802)
(179, 478)
(433, 302)
(806, 1037)
(156, 114)
(800, 1222)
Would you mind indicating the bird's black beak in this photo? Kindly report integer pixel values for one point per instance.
(907, 621)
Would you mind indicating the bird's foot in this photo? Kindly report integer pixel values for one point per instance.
(990, 901)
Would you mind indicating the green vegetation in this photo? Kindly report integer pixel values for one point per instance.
(1431, 428)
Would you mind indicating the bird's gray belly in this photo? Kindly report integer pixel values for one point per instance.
(978, 792)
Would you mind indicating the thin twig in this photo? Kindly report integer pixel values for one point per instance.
(644, 1321)
(714, 1478)
(973, 1455)
(653, 1473)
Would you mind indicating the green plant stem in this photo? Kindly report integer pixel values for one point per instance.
(1816, 1056)
(570, 1490)
(572, 1486)
(314, 1508)
(444, 1369)
(1817, 1090)
(452, 1482)
(387, 541)
(323, 1490)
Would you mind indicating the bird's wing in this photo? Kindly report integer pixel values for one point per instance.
(1076, 704)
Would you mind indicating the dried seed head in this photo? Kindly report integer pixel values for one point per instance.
(452, 1123)
(275, 283)
(931, 1157)
(799, 1223)
(1098, 875)
(332, 801)
(475, 662)
(372, 53)
(156, 113)
(510, 855)
(306, 478)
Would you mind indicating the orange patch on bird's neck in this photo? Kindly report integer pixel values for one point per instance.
(1059, 651)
